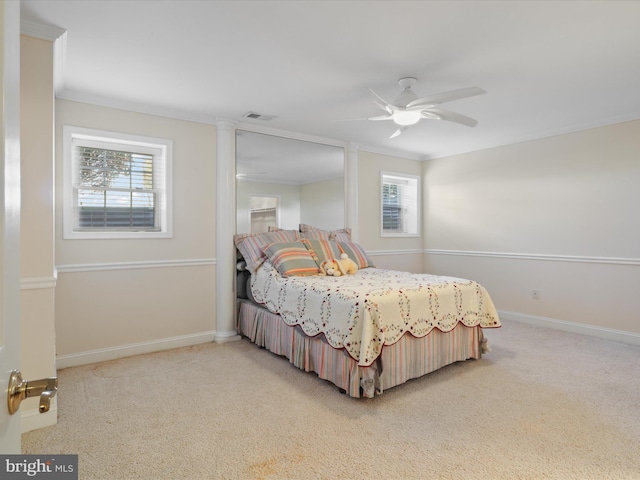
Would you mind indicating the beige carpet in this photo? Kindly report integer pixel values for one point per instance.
(543, 404)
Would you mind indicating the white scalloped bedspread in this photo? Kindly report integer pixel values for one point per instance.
(374, 307)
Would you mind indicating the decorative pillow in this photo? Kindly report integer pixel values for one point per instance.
(291, 258)
(321, 250)
(250, 245)
(356, 253)
(341, 235)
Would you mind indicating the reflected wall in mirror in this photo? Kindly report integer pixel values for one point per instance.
(306, 178)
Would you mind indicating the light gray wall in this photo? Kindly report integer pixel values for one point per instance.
(557, 215)
(396, 253)
(37, 269)
(551, 215)
(112, 294)
(322, 204)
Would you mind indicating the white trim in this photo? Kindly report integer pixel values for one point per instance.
(40, 30)
(351, 190)
(604, 122)
(34, 420)
(112, 353)
(53, 34)
(581, 328)
(418, 210)
(225, 225)
(34, 283)
(212, 120)
(97, 267)
(226, 337)
(284, 133)
(59, 60)
(326, 141)
(130, 106)
(536, 256)
(377, 253)
(391, 153)
(162, 151)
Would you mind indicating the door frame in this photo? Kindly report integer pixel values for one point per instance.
(9, 217)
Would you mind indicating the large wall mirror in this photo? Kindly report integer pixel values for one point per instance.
(282, 182)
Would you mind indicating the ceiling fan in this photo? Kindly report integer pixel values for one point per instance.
(407, 109)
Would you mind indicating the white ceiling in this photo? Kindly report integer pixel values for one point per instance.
(549, 67)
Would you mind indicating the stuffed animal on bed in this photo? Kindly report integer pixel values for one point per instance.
(330, 268)
(336, 268)
(347, 266)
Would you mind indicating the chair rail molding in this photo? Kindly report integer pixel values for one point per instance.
(97, 267)
(537, 256)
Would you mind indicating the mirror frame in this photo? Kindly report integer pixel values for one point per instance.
(226, 330)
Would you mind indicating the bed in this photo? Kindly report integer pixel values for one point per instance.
(365, 332)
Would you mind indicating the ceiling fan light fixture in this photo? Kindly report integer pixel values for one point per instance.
(406, 117)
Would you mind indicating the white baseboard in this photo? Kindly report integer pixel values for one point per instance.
(112, 353)
(224, 337)
(592, 330)
(33, 419)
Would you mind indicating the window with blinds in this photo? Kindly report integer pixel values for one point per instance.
(115, 190)
(118, 185)
(400, 204)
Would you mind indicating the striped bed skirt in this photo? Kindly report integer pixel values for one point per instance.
(408, 358)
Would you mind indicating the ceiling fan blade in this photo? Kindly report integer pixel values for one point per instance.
(441, 114)
(451, 95)
(381, 117)
(398, 132)
(381, 102)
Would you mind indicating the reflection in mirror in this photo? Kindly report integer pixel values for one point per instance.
(306, 178)
(264, 213)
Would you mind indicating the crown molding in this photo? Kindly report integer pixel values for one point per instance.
(102, 101)
(556, 132)
(40, 30)
(56, 35)
(288, 134)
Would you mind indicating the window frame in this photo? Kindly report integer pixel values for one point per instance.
(162, 151)
(413, 178)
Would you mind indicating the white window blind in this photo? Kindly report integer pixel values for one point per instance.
(400, 204)
(118, 185)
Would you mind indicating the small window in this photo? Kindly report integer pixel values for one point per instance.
(116, 185)
(400, 204)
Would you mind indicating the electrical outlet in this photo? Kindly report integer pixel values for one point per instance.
(535, 294)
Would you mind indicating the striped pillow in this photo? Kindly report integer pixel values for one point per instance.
(251, 245)
(321, 250)
(291, 258)
(356, 253)
(341, 235)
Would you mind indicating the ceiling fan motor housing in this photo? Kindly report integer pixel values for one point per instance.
(407, 95)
